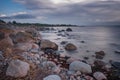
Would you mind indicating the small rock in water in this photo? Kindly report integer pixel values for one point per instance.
(82, 41)
(99, 76)
(117, 52)
(69, 29)
(100, 54)
(52, 77)
(63, 42)
(17, 68)
(70, 47)
(80, 66)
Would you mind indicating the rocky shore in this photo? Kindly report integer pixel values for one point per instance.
(25, 55)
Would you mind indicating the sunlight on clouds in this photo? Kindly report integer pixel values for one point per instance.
(72, 1)
(67, 1)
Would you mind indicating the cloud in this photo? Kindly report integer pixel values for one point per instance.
(19, 15)
(72, 11)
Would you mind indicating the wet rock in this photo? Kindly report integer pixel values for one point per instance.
(70, 47)
(80, 66)
(99, 63)
(116, 65)
(17, 68)
(63, 42)
(100, 54)
(117, 51)
(69, 29)
(2, 35)
(99, 76)
(49, 51)
(6, 43)
(52, 77)
(82, 41)
(86, 58)
(22, 37)
(48, 44)
(49, 65)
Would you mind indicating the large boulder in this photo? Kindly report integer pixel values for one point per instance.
(70, 47)
(80, 66)
(52, 77)
(22, 37)
(48, 44)
(6, 43)
(23, 46)
(17, 68)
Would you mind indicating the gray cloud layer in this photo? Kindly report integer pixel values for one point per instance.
(84, 12)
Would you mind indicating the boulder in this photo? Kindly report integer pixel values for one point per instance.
(21, 37)
(52, 77)
(80, 66)
(6, 43)
(23, 46)
(17, 68)
(99, 76)
(70, 47)
(48, 44)
(69, 29)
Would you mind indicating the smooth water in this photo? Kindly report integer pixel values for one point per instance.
(99, 38)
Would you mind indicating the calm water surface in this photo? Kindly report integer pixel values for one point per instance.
(96, 39)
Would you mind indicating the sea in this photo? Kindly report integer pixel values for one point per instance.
(88, 39)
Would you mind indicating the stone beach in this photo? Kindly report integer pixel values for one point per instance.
(26, 55)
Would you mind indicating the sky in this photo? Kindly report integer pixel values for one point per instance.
(61, 11)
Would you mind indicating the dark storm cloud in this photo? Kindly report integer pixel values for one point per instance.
(20, 15)
(87, 11)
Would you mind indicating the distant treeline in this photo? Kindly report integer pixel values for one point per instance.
(35, 24)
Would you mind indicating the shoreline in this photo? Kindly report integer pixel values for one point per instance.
(26, 47)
